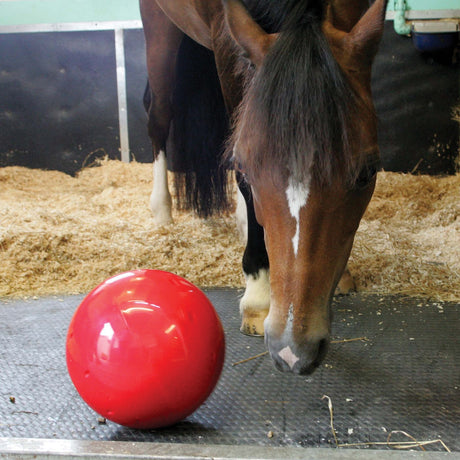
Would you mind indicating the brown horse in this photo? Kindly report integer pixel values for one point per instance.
(295, 80)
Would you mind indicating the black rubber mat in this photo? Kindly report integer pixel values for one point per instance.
(404, 376)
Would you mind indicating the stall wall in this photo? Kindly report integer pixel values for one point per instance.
(61, 102)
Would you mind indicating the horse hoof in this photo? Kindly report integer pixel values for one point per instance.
(346, 284)
(161, 221)
(162, 216)
(253, 322)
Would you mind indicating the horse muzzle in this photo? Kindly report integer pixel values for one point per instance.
(302, 358)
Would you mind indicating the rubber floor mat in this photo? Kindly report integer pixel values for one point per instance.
(403, 374)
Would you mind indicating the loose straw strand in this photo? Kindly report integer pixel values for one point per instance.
(331, 413)
(392, 444)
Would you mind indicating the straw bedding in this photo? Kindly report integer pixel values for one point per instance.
(64, 235)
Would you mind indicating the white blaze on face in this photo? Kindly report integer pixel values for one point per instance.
(286, 354)
(297, 196)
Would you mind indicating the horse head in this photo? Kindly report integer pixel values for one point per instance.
(305, 137)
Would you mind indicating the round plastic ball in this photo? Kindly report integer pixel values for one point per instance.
(145, 349)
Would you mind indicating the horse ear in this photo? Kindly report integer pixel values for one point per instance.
(344, 14)
(246, 32)
(364, 38)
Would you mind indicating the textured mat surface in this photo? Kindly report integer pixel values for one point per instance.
(405, 376)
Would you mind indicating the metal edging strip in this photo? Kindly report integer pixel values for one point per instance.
(51, 449)
(427, 14)
(70, 27)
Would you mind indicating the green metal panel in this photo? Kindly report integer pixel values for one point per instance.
(21, 12)
(18, 12)
(420, 5)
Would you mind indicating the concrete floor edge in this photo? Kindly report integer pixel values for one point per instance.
(28, 448)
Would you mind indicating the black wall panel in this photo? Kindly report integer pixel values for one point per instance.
(59, 107)
(415, 95)
(58, 99)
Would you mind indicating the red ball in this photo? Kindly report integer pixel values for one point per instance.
(145, 349)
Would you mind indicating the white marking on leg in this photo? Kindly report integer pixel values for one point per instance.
(241, 215)
(297, 196)
(257, 293)
(160, 199)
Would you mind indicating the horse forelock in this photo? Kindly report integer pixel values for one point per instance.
(296, 117)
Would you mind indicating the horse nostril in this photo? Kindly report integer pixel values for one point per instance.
(323, 346)
(317, 352)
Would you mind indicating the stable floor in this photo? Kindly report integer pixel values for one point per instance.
(403, 375)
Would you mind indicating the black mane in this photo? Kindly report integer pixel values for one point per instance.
(299, 102)
(269, 14)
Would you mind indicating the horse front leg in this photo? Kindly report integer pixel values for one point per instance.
(255, 303)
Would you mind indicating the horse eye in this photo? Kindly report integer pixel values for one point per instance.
(365, 177)
(241, 173)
